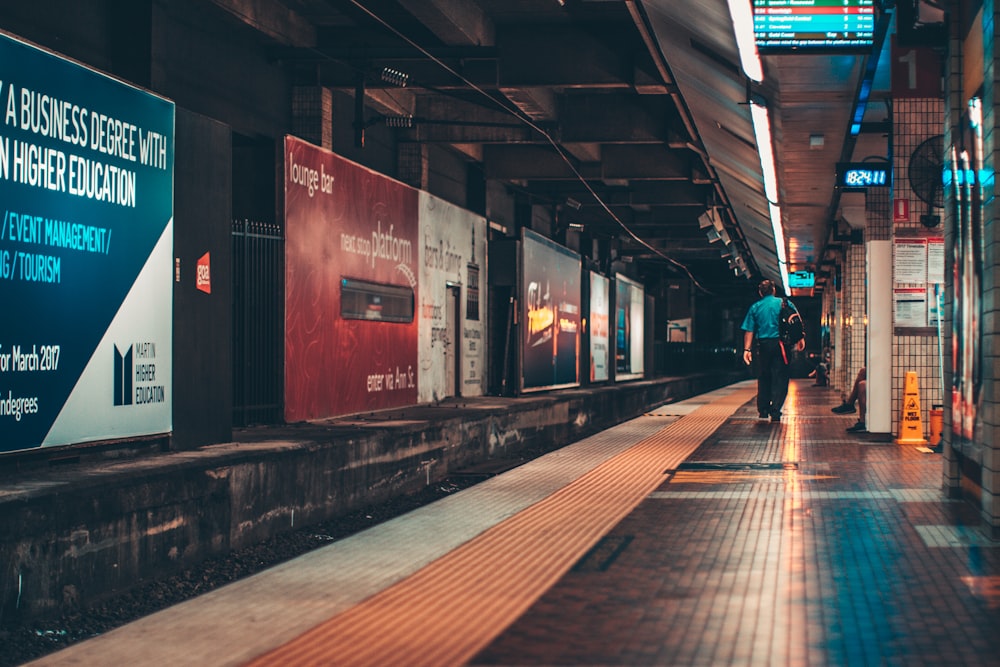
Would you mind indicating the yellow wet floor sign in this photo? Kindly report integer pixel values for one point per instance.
(911, 425)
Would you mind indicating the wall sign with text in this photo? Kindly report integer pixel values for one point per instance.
(86, 240)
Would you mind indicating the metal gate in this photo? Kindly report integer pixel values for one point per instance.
(258, 322)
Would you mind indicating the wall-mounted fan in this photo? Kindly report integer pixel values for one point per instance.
(926, 172)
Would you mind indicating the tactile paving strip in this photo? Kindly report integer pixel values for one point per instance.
(445, 613)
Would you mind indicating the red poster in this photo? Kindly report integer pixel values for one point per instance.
(349, 231)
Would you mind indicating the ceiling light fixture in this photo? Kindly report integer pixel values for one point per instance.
(398, 121)
(779, 244)
(765, 149)
(395, 77)
(762, 133)
(746, 42)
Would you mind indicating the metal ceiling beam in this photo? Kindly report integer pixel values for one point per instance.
(273, 19)
(613, 119)
(564, 56)
(640, 193)
(645, 162)
(454, 22)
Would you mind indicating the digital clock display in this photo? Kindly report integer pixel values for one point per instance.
(862, 176)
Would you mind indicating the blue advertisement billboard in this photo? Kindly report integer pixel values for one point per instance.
(86, 245)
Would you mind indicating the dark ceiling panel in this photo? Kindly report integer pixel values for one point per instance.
(642, 99)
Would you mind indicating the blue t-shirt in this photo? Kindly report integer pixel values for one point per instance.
(762, 318)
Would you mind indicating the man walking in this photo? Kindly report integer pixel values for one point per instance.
(761, 322)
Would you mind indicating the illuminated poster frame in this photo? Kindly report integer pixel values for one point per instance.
(550, 311)
(967, 275)
(600, 320)
(630, 306)
(86, 253)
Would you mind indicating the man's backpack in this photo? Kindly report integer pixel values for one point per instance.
(790, 327)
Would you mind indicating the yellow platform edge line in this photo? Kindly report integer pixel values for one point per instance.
(454, 607)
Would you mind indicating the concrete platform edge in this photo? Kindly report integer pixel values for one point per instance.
(77, 534)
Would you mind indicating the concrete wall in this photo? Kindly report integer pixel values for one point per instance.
(72, 536)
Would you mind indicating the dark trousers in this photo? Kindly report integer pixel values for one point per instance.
(772, 377)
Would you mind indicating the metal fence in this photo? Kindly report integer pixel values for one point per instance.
(258, 322)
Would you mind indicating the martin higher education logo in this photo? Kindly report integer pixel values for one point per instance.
(123, 377)
(135, 375)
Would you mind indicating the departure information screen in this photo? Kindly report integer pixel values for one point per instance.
(814, 25)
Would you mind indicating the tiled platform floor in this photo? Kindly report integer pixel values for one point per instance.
(842, 552)
(692, 536)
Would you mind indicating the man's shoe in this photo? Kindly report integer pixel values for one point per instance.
(858, 428)
(844, 409)
(762, 417)
(775, 417)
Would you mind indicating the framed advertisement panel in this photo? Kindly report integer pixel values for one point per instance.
(86, 245)
(629, 329)
(550, 310)
(600, 319)
(452, 350)
(967, 275)
(351, 293)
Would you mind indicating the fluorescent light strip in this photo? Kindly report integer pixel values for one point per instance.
(746, 41)
(779, 244)
(762, 133)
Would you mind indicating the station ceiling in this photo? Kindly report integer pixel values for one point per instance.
(627, 117)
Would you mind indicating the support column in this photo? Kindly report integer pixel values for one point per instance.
(879, 310)
(879, 352)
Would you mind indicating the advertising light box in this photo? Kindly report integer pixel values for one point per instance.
(801, 280)
(600, 318)
(629, 328)
(551, 314)
(86, 245)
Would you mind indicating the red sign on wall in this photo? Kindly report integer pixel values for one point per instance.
(900, 210)
(916, 71)
(203, 279)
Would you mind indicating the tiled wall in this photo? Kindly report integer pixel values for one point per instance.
(831, 299)
(853, 309)
(980, 457)
(987, 432)
(954, 105)
(312, 115)
(915, 349)
(989, 429)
